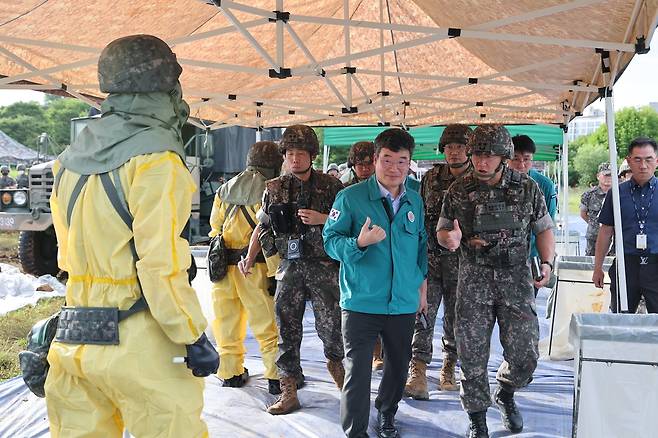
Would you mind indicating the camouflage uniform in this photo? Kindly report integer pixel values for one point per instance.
(361, 152)
(591, 203)
(314, 276)
(443, 268)
(495, 282)
(6, 181)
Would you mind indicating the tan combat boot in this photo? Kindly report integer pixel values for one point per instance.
(416, 386)
(377, 356)
(337, 372)
(447, 380)
(287, 401)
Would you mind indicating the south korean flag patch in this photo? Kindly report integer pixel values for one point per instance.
(334, 214)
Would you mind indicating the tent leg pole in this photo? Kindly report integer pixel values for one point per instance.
(619, 242)
(325, 158)
(565, 192)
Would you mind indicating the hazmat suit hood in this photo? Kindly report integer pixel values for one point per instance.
(247, 187)
(130, 125)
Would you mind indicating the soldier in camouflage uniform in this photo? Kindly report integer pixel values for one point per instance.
(444, 266)
(591, 203)
(22, 181)
(6, 180)
(489, 216)
(360, 162)
(295, 208)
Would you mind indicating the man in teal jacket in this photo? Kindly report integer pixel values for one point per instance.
(376, 230)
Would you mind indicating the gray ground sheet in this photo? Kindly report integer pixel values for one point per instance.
(546, 403)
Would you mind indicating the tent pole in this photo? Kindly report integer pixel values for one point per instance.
(565, 191)
(619, 242)
(325, 158)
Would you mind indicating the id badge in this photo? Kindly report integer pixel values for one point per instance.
(641, 241)
(294, 249)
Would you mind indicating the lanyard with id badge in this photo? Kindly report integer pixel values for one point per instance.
(641, 215)
(303, 201)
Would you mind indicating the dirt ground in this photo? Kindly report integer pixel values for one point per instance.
(9, 248)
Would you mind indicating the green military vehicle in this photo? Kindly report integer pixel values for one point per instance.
(28, 209)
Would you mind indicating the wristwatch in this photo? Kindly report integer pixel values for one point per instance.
(550, 265)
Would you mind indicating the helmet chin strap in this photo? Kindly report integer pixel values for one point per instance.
(458, 165)
(304, 172)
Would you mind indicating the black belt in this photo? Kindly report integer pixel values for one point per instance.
(233, 256)
(649, 259)
(93, 325)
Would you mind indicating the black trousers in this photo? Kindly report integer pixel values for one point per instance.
(640, 280)
(360, 330)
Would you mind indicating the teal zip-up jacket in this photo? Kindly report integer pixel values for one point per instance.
(383, 278)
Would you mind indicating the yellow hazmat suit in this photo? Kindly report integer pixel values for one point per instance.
(96, 390)
(237, 299)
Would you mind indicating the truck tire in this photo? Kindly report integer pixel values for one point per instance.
(37, 251)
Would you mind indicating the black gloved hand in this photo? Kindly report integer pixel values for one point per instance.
(202, 358)
(271, 286)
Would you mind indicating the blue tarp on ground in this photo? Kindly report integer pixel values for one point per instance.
(546, 403)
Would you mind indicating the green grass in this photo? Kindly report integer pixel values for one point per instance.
(574, 199)
(8, 240)
(14, 328)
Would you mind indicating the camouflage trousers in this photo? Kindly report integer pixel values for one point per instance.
(441, 286)
(486, 296)
(298, 281)
(591, 246)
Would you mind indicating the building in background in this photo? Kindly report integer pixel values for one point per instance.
(587, 123)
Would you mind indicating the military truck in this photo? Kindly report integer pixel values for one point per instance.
(28, 210)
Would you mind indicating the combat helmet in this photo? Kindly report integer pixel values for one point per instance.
(265, 154)
(455, 133)
(4, 169)
(300, 137)
(493, 139)
(20, 167)
(361, 152)
(137, 64)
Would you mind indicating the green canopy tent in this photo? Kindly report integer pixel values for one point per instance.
(547, 138)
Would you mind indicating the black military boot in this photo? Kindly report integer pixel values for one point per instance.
(478, 425)
(386, 426)
(274, 386)
(511, 416)
(237, 381)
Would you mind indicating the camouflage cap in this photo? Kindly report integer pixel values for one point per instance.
(493, 139)
(361, 152)
(605, 169)
(265, 154)
(137, 64)
(455, 133)
(300, 137)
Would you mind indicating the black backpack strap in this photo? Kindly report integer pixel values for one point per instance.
(114, 192)
(248, 217)
(74, 195)
(58, 177)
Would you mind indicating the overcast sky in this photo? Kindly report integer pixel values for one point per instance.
(637, 87)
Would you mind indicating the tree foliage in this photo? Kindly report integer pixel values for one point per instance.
(26, 121)
(587, 152)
